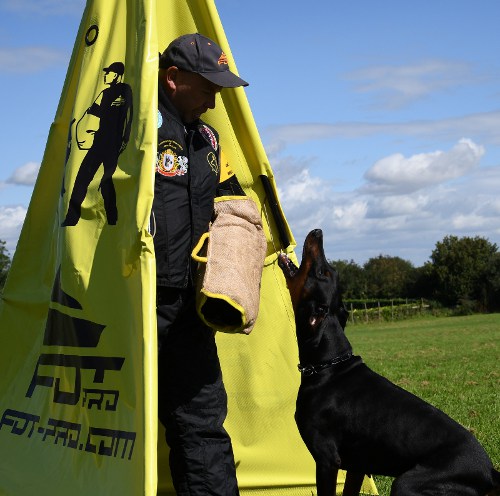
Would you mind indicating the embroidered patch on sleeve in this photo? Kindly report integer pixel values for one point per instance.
(209, 135)
(213, 162)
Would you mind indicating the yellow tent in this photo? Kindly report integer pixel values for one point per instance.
(78, 331)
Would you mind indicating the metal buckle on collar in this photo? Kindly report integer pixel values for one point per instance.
(307, 370)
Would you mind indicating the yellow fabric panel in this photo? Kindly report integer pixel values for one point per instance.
(77, 323)
(226, 171)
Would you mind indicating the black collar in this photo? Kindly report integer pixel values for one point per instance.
(307, 370)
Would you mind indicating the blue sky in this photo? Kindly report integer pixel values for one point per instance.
(380, 119)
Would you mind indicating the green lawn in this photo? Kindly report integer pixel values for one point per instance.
(451, 362)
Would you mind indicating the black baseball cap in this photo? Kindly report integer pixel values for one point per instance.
(117, 67)
(199, 54)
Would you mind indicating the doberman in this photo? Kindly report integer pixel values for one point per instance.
(353, 419)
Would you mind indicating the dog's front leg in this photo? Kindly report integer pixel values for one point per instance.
(353, 483)
(326, 479)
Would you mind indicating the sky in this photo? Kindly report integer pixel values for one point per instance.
(381, 120)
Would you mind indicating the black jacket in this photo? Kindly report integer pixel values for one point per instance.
(186, 183)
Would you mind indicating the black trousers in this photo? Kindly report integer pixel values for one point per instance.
(192, 401)
(100, 153)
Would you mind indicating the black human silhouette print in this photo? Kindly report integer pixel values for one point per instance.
(104, 131)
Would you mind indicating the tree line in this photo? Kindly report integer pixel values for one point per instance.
(461, 272)
(4, 264)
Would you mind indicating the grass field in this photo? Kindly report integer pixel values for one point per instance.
(451, 362)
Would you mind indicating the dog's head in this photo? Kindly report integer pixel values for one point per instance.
(314, 289)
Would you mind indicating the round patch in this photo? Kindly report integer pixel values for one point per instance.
(160, 119)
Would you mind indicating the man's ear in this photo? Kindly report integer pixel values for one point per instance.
(170, 77)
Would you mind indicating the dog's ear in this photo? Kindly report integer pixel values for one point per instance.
(342, 315)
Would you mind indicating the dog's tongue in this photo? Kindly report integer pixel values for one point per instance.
(286, 265)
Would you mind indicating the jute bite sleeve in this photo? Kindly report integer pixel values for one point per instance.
(230, 260)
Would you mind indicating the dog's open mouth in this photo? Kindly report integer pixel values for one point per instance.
(286, 265)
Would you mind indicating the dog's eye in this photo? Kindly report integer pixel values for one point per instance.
(322, 309)
(323, 273)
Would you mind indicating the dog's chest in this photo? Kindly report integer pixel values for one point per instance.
(317, 401)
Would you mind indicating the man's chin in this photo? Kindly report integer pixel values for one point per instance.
(190, 118)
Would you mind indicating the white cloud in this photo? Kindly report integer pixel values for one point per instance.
(301, 195)
(11, 222)
(363, 223)
(397, 205)
(482, 126)
(25, 175)
(397, 86)
(491, 208)
(468, 221)
(348, 216)
(302, 188)
(397, 173)
(28, 60)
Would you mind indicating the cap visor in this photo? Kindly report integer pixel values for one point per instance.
(225, 79)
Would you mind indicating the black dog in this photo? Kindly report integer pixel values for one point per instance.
(353, 419)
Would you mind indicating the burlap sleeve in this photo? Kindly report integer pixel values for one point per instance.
(231, 258)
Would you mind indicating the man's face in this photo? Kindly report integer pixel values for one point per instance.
(191, 94)
(110, 77)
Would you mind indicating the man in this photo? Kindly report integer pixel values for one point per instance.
(192, 399)
(103, 130)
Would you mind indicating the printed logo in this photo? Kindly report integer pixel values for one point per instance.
(209, 135)
(168, 161)
(103, 132)
(80, 380)
(222, 59)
